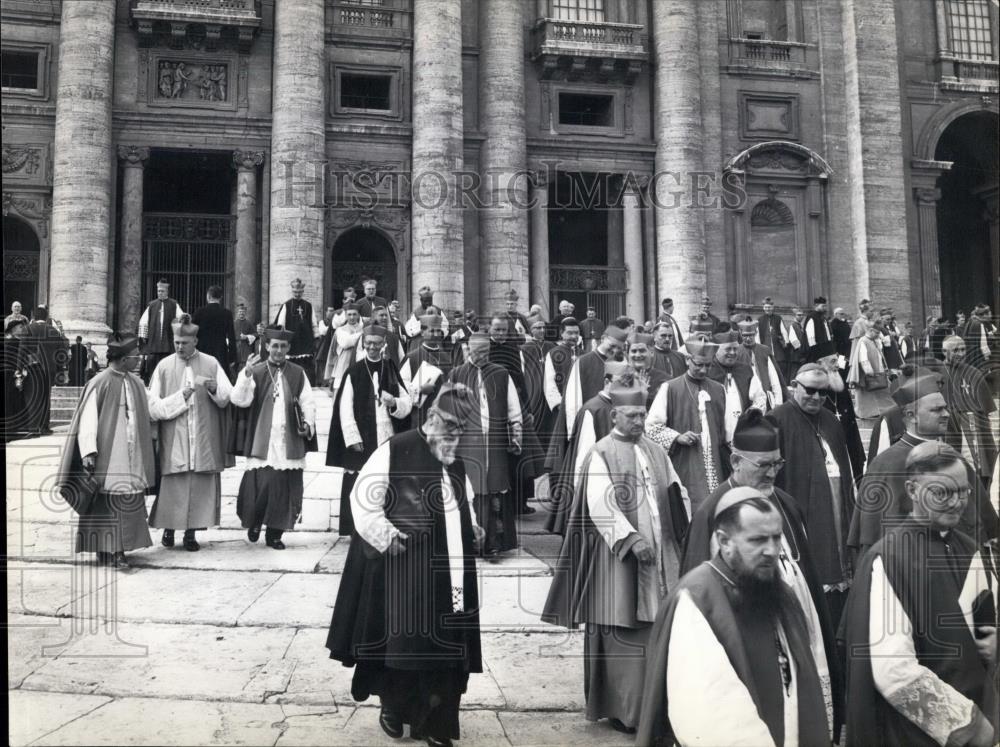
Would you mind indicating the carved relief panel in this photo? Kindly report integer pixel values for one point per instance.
(189, 81)
(27, 163)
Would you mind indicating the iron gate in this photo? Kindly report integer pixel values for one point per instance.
(192, 252)
(589, 285)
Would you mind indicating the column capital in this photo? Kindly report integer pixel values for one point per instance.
(133, 155)
(927, 195)
(247, 160)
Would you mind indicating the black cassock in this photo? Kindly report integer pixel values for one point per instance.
(408, 646)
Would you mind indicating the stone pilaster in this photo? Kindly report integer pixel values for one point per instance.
(437, 229)
(926, 194)
(245, 280)
(990, 197)
(82, 192)
(875, 153)
(540, 242)
(503, 222)
(298, 150)
(133, 159)
(680, 240)
(632, 220)
(649, 253)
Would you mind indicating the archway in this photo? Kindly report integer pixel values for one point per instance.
(21, 252)
(966, 212)
(357, 255)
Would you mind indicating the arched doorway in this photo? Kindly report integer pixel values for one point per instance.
(359, 254)
(21, 252)
(966, 212)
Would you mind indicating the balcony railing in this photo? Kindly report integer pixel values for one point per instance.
(960, 70)
(769, 55)
(576, 47)
(379, 20)
(211, 20)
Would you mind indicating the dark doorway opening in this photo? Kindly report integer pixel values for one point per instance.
(188, 229)
(586, 259)
(968, 261)
(21, 253)
(358, 255)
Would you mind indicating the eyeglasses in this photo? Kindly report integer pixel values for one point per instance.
(811, 390)
(777, 464)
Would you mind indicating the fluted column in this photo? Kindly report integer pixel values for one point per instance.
(632, 220)
(876, 172)
(540, 242)
(133, 159)
(503, 223)
(680, 241)
(82, 170)
(298, 149)
(245, 281)
(437, 231)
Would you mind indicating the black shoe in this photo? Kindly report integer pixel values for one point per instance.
(277, 544)
(435, 742)
(119, 561)
(190, 543)
(527, 511)
(619, 726)
(105, 558)
(253, 534)
(391, 723)
(168, 538)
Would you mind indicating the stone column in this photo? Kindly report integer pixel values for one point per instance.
(680, 241)
(437, 230)
(930, 267)
(82, 206)
(245, 281)
(875, 153)
(616, 231)
(990, 196)
(634, 306)
(503, 222)
(129, 294)
(298, 150)
(540, 242)
(649, 253)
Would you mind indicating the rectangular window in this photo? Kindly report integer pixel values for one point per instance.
(586, 110)
(372, 92)
(971, 32)
(578, 10)
(19, 70)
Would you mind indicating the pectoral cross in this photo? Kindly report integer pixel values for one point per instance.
(966, 388)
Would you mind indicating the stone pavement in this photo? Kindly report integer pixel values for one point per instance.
(226, 645)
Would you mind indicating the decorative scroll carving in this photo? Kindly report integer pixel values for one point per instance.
(184, 227)
(782, 156)
(23, 159)
(392, 221)
(133, 155)
(587, 277)
(36, 208)
(247, 160)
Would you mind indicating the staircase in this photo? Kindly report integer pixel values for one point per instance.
(64, 400)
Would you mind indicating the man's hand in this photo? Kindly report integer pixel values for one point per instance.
(480, 536)
(983, 736)
(252, 360)
(986, 642)
(356, 447)
(688, 439)
(187, 391)
(515, 439)
(397, 547)
(211, 385)
(90, 463)
(529, 420)
(643, 552)
(388, 400)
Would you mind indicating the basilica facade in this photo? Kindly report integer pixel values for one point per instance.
(610, 152)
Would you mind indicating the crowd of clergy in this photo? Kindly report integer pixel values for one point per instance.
(745, 569)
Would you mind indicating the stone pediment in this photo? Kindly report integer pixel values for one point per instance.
(779, 157)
